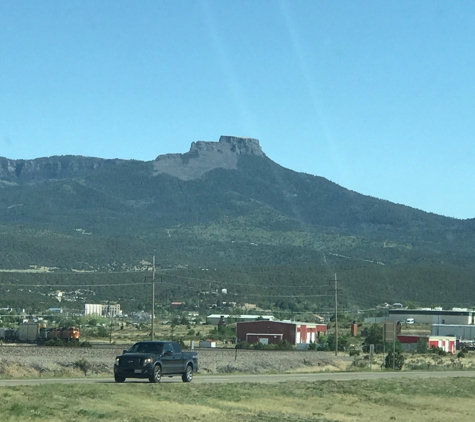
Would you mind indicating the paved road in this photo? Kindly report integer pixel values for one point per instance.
(274, 378)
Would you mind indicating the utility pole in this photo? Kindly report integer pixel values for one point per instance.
(394, 345)
(110, 314)
(336, 316)
(153, 299)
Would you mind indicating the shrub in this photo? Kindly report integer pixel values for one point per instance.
(243, 345)
(284, 345)
(438, 350)
(360, 362)
(102, 332)
(261, 346)
(54, 343)
(395, 360)
(83, 365)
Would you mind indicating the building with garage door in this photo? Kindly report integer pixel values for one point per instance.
(273, 332)
(409, 343)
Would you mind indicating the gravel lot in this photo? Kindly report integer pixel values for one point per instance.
(36, 361)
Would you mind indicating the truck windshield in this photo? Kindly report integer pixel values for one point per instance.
(146, 348)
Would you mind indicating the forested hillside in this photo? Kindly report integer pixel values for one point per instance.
(221, 216)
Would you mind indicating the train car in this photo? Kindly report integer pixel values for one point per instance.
(8, 334)
(32, 332)
(29, 332)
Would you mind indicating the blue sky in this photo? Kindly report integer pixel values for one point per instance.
(377, 96)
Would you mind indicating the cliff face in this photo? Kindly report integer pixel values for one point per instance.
(205, 156)
(232, 144)
(201, 158)
(56, 167)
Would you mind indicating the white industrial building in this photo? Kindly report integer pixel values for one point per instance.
(93, 309)
(215, 318)
(456, 316)
(463, 332)
(102, 310)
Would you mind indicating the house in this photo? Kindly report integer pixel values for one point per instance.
(273, 332)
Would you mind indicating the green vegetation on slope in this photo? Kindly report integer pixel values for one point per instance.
(264, 229)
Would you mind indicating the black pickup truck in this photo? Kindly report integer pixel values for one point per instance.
(152, 359)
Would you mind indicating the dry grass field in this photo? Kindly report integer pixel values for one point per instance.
(446, 400)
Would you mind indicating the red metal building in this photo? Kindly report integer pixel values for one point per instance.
(447, 344)
(272, 332)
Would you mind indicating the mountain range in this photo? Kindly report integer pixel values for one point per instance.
(221, 216)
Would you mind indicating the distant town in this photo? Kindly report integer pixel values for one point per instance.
(444, 329)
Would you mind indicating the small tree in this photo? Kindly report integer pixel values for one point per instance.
(343, 342)
(421, 346)
(394, 360)
(374, 336)
(322, 342)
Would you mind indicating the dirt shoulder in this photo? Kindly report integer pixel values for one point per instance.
(41, 361)
(35, 361)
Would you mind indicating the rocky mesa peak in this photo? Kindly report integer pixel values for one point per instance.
(234, 144)
(204, 156)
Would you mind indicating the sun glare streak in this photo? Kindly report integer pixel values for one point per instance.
(313, 83)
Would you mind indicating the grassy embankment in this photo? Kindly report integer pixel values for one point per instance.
(450, 399)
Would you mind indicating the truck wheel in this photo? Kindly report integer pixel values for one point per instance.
(156, 374)
(188, 375)
(119, 378)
